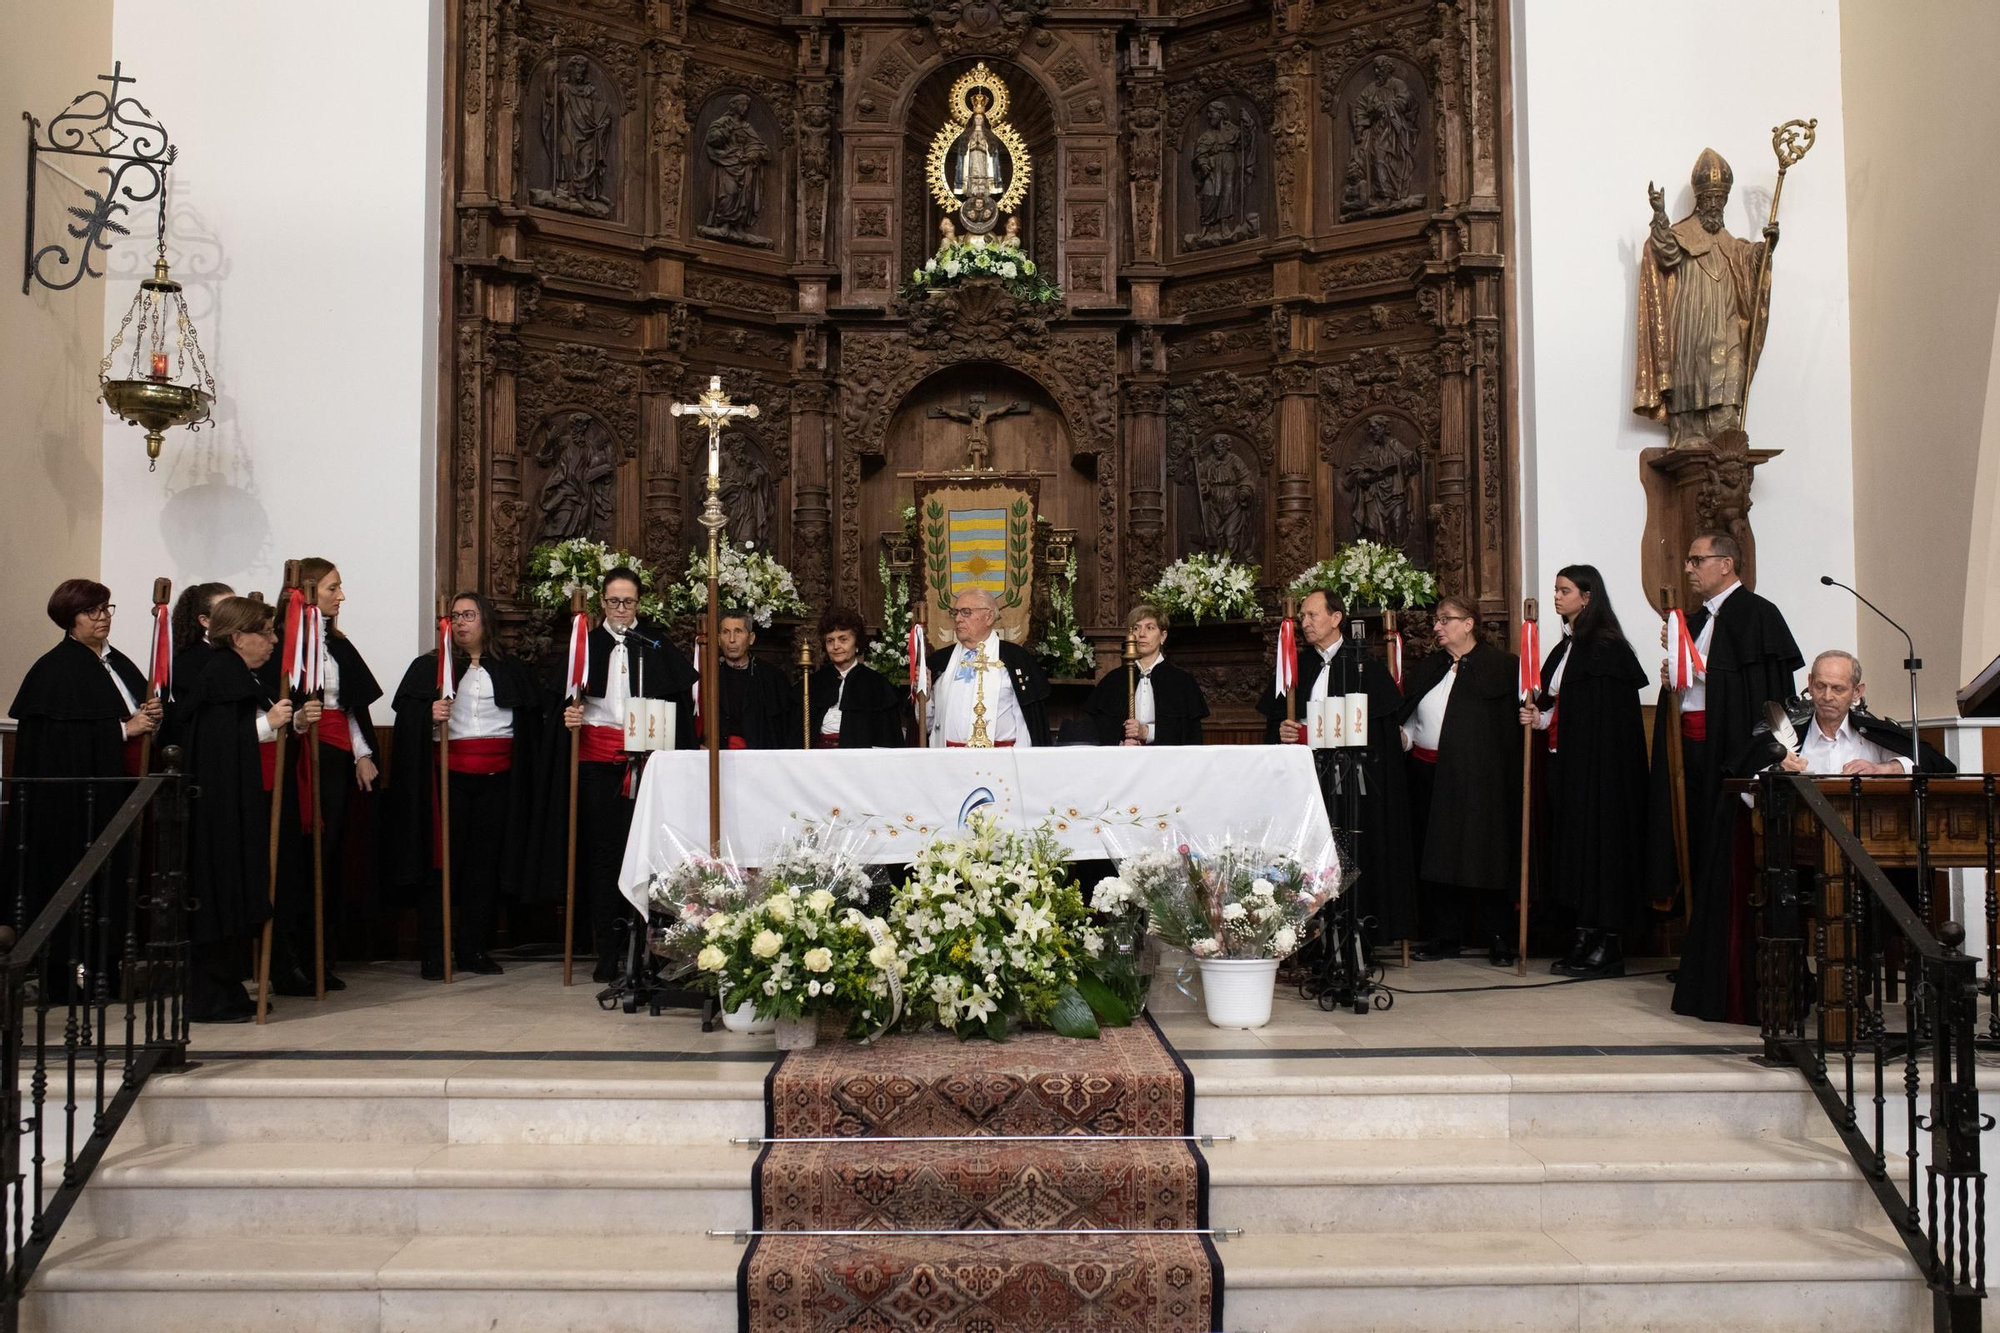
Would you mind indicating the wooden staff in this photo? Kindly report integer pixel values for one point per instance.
(569, 863)
(444, 786)
(1291, 612)
(923, 665)
(1670, 700)
(805, 688)
(277, 809)
(163, 593)
(711, 687)
(1528, 617)
(319, 828)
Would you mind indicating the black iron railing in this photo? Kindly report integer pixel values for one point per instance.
(1874, 957)
(94, 997)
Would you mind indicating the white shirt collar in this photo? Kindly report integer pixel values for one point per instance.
(1846, 729)
(1326, 653)
(1157, 659)
(1714, 604)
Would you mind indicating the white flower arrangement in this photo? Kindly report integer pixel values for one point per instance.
(980, 258)
(992, 926)
(750, 581)
(1238, 900)
(889, 654)
(557, 569)
(699, 888)
(1367, 573)
(1063, 650)
(1206, 587)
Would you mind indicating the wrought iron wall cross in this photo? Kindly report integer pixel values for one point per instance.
(115, 128)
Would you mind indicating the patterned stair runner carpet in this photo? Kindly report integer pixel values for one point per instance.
(1129, 1082)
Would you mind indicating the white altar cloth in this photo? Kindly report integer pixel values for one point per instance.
(883, 804)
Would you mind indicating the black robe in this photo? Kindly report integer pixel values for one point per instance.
(413, 774)
(759, 705)
(71, 726)
(1030, 682)
(1596, 785)
(229, 869)
(1178, 706)
(665, 673)
(873, 712)
(1752, 659)
(1386, 890)
(1474, 829)
(177, 710)
(1764, 749)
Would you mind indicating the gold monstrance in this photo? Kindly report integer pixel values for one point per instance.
(713, 410)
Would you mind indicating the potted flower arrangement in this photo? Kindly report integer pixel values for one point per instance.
(1369, 574)
(1002, 260)
(996, 935)
(557, 569)
(1206, 587)
(702, 887)
(750, 581)
(1238, 909)
(1064, 651)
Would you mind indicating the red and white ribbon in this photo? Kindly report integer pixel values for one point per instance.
(1683, 652)
(304, 629)
(577, 673)
(920, 677)
(1531, 660)
(161, 676)
(446, 686)
(1287, 664)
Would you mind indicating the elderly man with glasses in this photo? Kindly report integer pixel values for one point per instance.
(985, 690)
(1748, 658)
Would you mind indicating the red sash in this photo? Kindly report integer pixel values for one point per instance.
(1423, 756)
(736, 743)
(961, 745)
(267, 761)
(1555, 720)
(829, 740)
(1694, 726)
(483, 756)
(132, 757)
(602, 745)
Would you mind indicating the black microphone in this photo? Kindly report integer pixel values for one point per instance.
(1912, 664)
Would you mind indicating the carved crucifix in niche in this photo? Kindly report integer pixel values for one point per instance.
(975, 414)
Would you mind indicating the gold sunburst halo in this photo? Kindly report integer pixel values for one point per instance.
(958, 102)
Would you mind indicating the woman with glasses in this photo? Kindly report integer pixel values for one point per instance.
(1458, 724)
(232, 720)
(1588, 714)
(346, 765)
(494, 715)
(83, 713)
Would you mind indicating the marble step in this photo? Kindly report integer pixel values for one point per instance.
(1772, 1281)
(500, 1189)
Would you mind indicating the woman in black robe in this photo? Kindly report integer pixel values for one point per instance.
(1588, 710)
(1166, 702)
(83, 713)
(229, 833)
(1464, 742)
(496, 716)
(853, 706)
(346, 765)
(191, 653)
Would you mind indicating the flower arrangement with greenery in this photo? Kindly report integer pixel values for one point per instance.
(1063, 650)
(1239, 900)
(1121, 925)
(1206, 587)
(996, 934)
(1367, 573)
(556, 569)
(693, 891)
(981, 257)
(750, 581)
(889, 654)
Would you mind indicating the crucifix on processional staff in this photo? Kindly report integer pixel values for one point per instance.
(714, 411)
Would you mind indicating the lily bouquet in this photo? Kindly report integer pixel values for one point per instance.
(1367, 573)
(1236, 900)
(749, 581)
(980, 257)
(1206, 587)
(556, 569)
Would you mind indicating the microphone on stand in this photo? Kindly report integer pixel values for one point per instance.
(1912, 664)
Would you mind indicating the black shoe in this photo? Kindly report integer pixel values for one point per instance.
(294, 983)
(431, 969)
(1606, 960)
(236, 1009)
(333, 982)
(606, 971)
(1501, 953)
(1585, 939)
(1435, 951)
(479, 963)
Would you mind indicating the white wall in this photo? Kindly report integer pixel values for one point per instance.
(1608, 97)
(304, 226)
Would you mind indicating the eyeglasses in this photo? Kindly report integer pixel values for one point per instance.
(104, 612)
(1439, 620)
(620, 603)
(466, 616)
(958, 611)
(1695, 561)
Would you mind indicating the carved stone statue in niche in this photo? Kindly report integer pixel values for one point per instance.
(1382, 147)
(747, 491)
(1227, 492)
(737, 154)
(579, 499)
(576, 123)
(1225, 173)
(1380, 480)
(975, 414)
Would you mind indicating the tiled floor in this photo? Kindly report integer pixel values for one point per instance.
(1447, 1017)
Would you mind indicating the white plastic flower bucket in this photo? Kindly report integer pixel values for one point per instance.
(1238, 991)
(743, 1018)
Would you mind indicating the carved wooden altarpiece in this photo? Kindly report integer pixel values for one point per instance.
(1280, 227)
